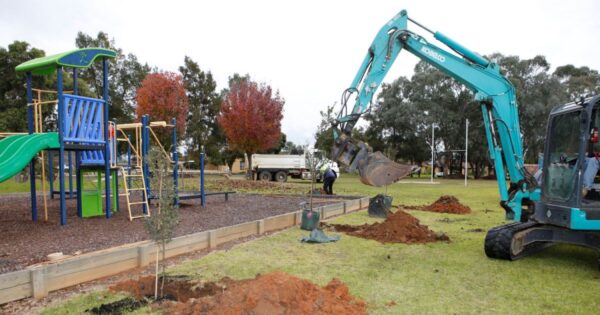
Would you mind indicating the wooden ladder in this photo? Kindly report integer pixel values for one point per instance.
(134, 179)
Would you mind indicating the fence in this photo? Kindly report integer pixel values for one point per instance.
(38, 280)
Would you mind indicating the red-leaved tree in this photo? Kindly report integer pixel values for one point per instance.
(162, 96)
(251, 117)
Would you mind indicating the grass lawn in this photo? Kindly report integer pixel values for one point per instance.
(435, 278)
(188, 183)
(12, 186)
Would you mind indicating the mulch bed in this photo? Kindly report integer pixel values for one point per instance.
(25, 242)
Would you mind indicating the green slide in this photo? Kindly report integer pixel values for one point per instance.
(17, 151)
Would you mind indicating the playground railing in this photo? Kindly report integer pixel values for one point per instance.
(83, 120)
(83, 123)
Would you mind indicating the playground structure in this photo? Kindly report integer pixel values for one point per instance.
(136, 172)
(82, 127)
(140, 137)
(86, 141)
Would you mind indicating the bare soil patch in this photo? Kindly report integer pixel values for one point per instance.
(271, 293)
(399, 227)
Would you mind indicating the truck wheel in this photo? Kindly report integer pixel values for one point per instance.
(264, 176)
(281, 176)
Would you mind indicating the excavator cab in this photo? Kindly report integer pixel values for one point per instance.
(570, 188)
(569, 208)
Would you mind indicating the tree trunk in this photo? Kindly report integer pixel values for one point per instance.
(163, 267)
(156, 276)
(249, 166)
(230, 163)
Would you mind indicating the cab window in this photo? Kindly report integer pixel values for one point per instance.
(560, 179)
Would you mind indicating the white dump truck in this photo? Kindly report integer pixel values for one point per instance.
(277, 167)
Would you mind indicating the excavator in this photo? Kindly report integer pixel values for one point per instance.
(554, 209)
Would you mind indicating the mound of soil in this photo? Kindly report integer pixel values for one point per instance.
(447, 204)
(271, 293)
(399, 227)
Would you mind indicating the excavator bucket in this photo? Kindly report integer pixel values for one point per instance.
(374, 168)
(377, 170)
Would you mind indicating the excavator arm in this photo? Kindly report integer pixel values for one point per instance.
(494, 92)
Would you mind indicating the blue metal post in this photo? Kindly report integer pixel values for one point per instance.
(115, 174)
(129, 162)
(70, 162)
(106, 140)
(34, 214)
(175, 162)
(61, 153)
(77, 153)
(145, 149)
(78, 182)
(202, 192)
(51, 173)
(116, 179)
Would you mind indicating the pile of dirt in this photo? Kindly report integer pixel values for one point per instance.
(399, 227)
(271, 293)
(447, 204)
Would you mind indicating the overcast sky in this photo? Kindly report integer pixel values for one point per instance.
(308, 50)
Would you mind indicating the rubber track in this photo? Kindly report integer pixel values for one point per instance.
(499, 239)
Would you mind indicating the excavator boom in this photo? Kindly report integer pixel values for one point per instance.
(494, 92)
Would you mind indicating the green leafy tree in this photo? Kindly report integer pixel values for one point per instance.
(324, 134)
(578, 82)
(402, 117)
(537, 92)
(126, 74)
(204, 106)
(13, 94)
(229, 156)
(163, 220)
(401, 126)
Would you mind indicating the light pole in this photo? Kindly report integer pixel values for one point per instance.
(466, 150)
(432, 149)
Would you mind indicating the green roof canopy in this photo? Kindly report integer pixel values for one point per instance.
(80, 58)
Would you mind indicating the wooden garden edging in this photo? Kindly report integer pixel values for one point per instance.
(38, 280)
